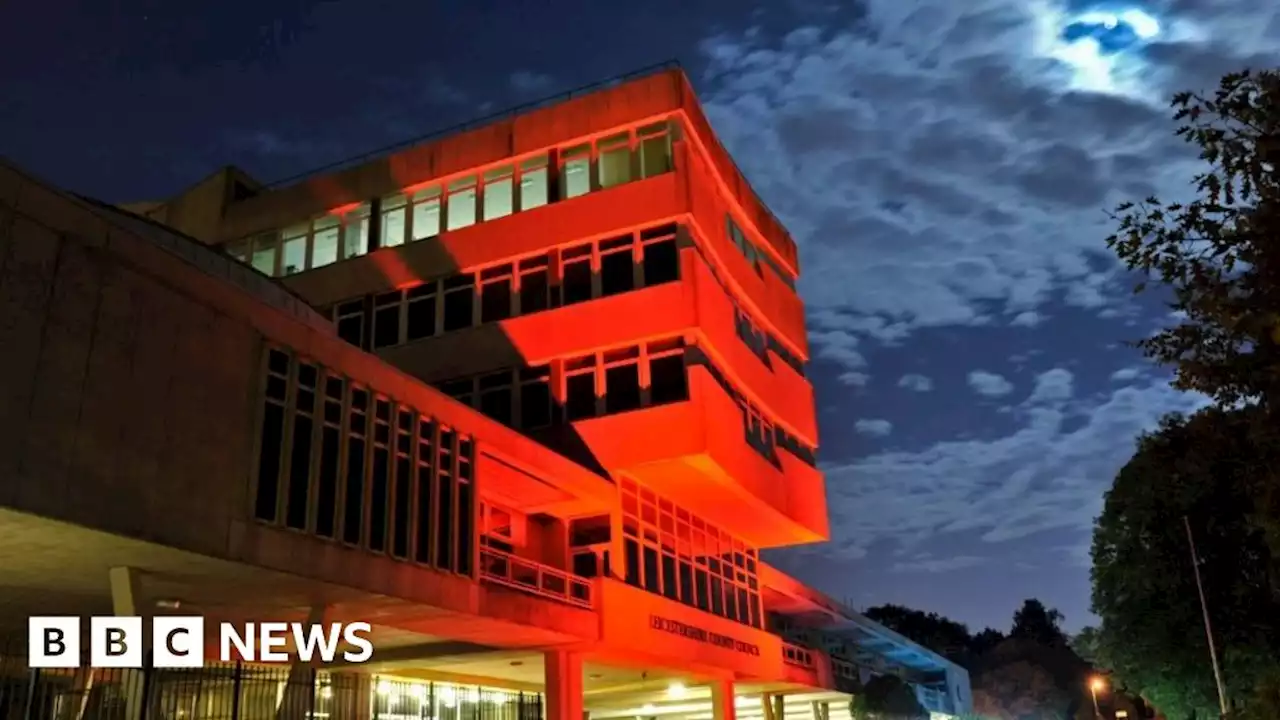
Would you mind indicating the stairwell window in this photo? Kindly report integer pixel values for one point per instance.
(576, 282)
(622, 380)
(355, 232)
(264, 253)
(386, 320)
(537, 405)
(497, 398)
(535, 284)
(495, 293)
(460, 205)
(580, 388)
(350, 322)
(293, 258)
(459, 302)
(420, 316)
(617, 265)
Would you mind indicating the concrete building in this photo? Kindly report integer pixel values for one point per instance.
(530, 398)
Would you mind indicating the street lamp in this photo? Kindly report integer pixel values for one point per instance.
(1096, 685)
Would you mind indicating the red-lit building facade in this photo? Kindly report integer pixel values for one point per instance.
(541, 382)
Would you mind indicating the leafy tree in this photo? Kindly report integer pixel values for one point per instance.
(1033, 621)
(1218, 259)
(984, 641)
(1020, 690)
(1151, 635)
(940, 634)
(887, 697)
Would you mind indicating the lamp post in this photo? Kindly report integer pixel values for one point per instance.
(1096, 685)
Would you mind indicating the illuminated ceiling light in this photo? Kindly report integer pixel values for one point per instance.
(499, 698)
(648, 709)
(419, 692)
(677, 690)
(326, 691)
(383, 688)
(448, 696)
(474, 695)
(169, 603)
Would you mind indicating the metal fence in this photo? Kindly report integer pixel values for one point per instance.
(239, 691)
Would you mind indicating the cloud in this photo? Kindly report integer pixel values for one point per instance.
(989, 384)
(1125, 374)
(1046, 475)
(874, 428)
(926, 564)
(527, 82)
(940, 168)
(918, 383)
(1054, 386)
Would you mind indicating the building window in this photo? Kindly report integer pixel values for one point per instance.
(535, 284)
(420, 320)
(575, 172)
(660, 255)
(615, 160)
(384, 499)
(617, 266)
(533, 183)
(324, 243)
(264, 253)
(459, 302)
(671, 552)
(395, 220)
(537, 404)
(425, 218)
(580, 388)
(495, 293)
(293, 257)
(355, 232)
(499, 192)
(622, 380)
(386, 320)
(350, 322)
(461, 203)
(576, 275)
(655, 149)
(497, 396)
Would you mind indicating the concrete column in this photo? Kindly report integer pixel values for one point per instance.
(563, 671)
(779, 707)
(722, 700)
(821, 710)
(298, 694)
(766, 706)
(127, 599)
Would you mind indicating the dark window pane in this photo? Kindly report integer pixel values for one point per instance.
(458, 310)
(584, 565)
(351, 329)
(616, 273)
(668, 380)
(444, 526)
(400, 509)
(700, 589)
(534, 292)
(386, 326)
(465, 530)
(269, 462)
(295, 514)
(378, 501)
(670, 587)
(621, 388)
(426, 519)
(497, 405)
(661, 262)
(353, 502)
(580, 396)
(495, 301)
(651, 578)
(421, 320)
(686, 583)
(535, 405)
(717, 596)
(327, 482)
(632, 548)
(577, 282)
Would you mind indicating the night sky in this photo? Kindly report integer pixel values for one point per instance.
(943, 165)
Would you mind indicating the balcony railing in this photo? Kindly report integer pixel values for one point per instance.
(534, 578)
(798, 656)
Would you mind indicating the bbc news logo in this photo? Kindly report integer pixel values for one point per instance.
(179, 642)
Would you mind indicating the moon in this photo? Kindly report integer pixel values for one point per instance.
(1100, 47)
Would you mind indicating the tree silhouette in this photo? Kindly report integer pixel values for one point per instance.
(1033, 621)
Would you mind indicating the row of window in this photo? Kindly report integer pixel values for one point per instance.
(593, 385)
(758, 259)
(606, 383)
(563, 277)
(762, 343)
(339, 461)
(427, 211)
(670, 552)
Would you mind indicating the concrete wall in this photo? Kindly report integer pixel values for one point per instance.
(129, 392)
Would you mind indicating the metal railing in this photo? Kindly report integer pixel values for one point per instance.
(227, 691)
(533, 577)
(798, 656)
